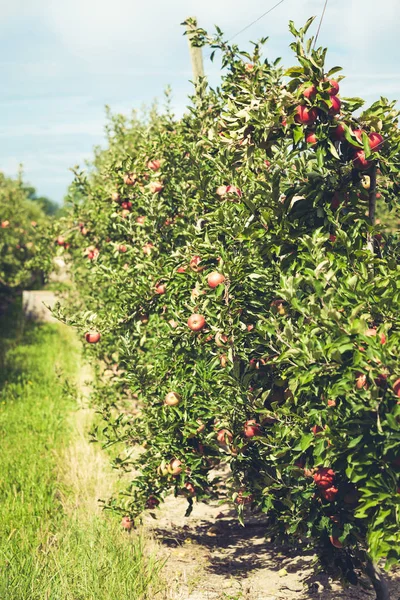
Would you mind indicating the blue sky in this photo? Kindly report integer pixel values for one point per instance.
(62, 62)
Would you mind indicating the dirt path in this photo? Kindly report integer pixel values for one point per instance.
(212, 557)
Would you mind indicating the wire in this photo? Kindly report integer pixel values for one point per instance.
(256, 21)
(320, 23)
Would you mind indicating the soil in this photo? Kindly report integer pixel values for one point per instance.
(213, 557)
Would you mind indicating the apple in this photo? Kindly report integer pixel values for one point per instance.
(338, 133)
(189, 488)
(375, 141)
(335, 542)
(311, 138)
(361, 381)
(175, 467)
(214, 279)
(306, 116)
(140, 220)
(201, 426)
(156, 187)
(223, 360)
(252, 428)
(154, 165)
(316, 429)
(371, 332)
(5, 224)
(332, 238)
(334, 89)
(181, 269)
(396, 387)
(310, 92)
(249, 67)
(33, 223)
(152, 502)
(129, 179)
(125, 213)
(60, 240)
(329, 493)
(224, 437)
(160, 288)
(194, 264)
(172, 399)
(324, 477)
(331, 402)
(335, 108)
(92, 337)
(127, 523)
(122, 248)
(196, 322)
(360, 162)
(147, 248)
(127, 205)
(221, 339)
(243, 499)
(115, 197)
(221, 190)
(366, 182)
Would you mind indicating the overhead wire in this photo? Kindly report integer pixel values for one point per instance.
(256, 20)
(320, 23)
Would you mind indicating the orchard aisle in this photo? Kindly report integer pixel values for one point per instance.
(55, 541)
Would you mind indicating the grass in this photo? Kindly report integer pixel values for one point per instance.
(55, 542)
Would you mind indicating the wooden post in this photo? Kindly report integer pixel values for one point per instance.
(196, 54)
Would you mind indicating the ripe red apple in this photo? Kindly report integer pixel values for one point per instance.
(249, 67)
(375, 141)
(147, 248)
(335, 542)
(152, 502)
(175, 467)
(305, 115)
(214, 279)
(127, 205)
(127, 523)
(224, 436)
(181, 270)
(194, 264)
(335, 108)
(334, 89)
(160, 288)
(122, 248)
(316, 429)
(338, 133)
(329, 493)
(115, 197)
(156, 187)
(189, 488)
(311, 138)
(125, 213)
(361, 381)
(5, 224)
(129, 179)
(140, 220)
(310, 92)
(331, 402)
(154, 165)
(252, 428)
(221, 190)
(360, 162)
(172, 399)
(196, 322)
(60, 240)
(324, 477)
(92, 337)
(332, 238)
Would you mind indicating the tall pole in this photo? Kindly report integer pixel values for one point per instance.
(196, 54)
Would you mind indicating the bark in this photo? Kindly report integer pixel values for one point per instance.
(378, 581)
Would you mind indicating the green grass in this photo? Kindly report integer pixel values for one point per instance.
(55, 544)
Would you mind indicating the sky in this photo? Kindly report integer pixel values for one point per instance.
(62, 61)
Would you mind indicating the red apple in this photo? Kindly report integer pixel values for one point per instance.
(5, 224)
(338, 133)
(181, 270)
(194, 264)
(175, 467)
(92, 337)
(375, 141)
(201, 426)
(122, 248)
(115, 197)
(324, 477)
(196, 322)
(361, 381)
(172, 399)
(221, 339)
(252, 428)
(140, 220)
(129, 179)
(127, 523)
(360, 162)
(154, 165)
(156, 187)
(334, 89)
(60, 240)
(329, 493)
(160, 288)
(127, 205)
(214, 279)
(310, 92)
(147, 248)
(331, 402)
(249, 67)
(152, 502)
(306, 116)
(221, 190)
(311, 138)
(125, 213)
(336, 104)
(335, 542)
(224, 437)
(332, 238)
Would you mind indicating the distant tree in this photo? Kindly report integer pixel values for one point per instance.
(48, 206)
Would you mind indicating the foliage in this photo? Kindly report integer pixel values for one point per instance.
(268, 180)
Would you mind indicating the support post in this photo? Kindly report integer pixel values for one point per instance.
(196, 54)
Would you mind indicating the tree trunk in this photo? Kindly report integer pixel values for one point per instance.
(378, 581)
